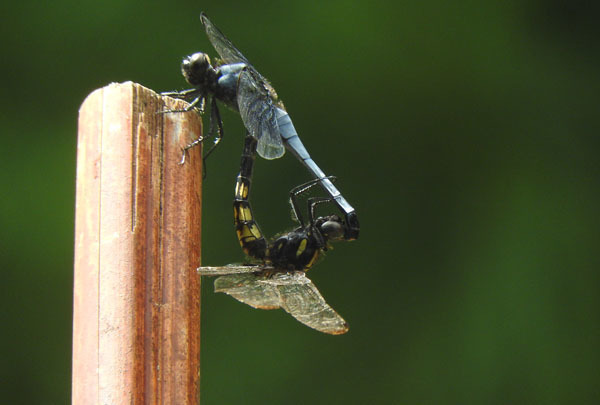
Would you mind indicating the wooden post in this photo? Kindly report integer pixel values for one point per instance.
(136, 320)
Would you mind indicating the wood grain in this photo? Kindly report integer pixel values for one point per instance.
(136, 320)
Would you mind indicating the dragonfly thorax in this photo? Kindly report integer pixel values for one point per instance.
(300, 248)
(198, 71)
(296, 250)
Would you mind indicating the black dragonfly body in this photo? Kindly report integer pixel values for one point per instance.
(240, 86)
(279, 281)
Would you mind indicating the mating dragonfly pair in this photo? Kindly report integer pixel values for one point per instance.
(279, 280)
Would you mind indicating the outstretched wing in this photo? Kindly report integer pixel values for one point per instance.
(224, 47)
(258, 113)
(230, 269)
(246, 288)
(293, 292)
(256, 97)
(301, 299)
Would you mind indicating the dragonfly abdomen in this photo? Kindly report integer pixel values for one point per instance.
(248, 232)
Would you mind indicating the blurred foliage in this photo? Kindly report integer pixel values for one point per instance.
(464, 133)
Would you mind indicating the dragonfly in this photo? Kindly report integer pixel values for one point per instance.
(280, 281)
(235, 82)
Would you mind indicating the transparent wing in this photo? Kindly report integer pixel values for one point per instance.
(293, 292)
(226, 50)
(246, 288)
(301, 299)
(259, 114)
(230, 269)
(256, 97)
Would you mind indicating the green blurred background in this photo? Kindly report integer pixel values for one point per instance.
(464, 133)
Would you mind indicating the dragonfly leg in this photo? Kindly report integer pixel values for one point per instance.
(198, 101)
(198, 97)
(179, 94)
(189, 146)
(218, 134)
(298, 190)
(215, 129)
(312, 204)
(215, 117)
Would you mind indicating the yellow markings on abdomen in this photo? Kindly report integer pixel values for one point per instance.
(301, 248)
(241, 190)
(244, 214)
(247, 233)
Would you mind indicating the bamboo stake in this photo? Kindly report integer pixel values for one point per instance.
(136, 320)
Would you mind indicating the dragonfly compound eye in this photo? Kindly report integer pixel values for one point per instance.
(195, 68)
(332, 229)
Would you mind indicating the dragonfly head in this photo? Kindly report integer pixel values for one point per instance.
(331, 228)
(197, 69)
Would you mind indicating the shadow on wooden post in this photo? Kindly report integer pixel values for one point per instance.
(136, 321)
